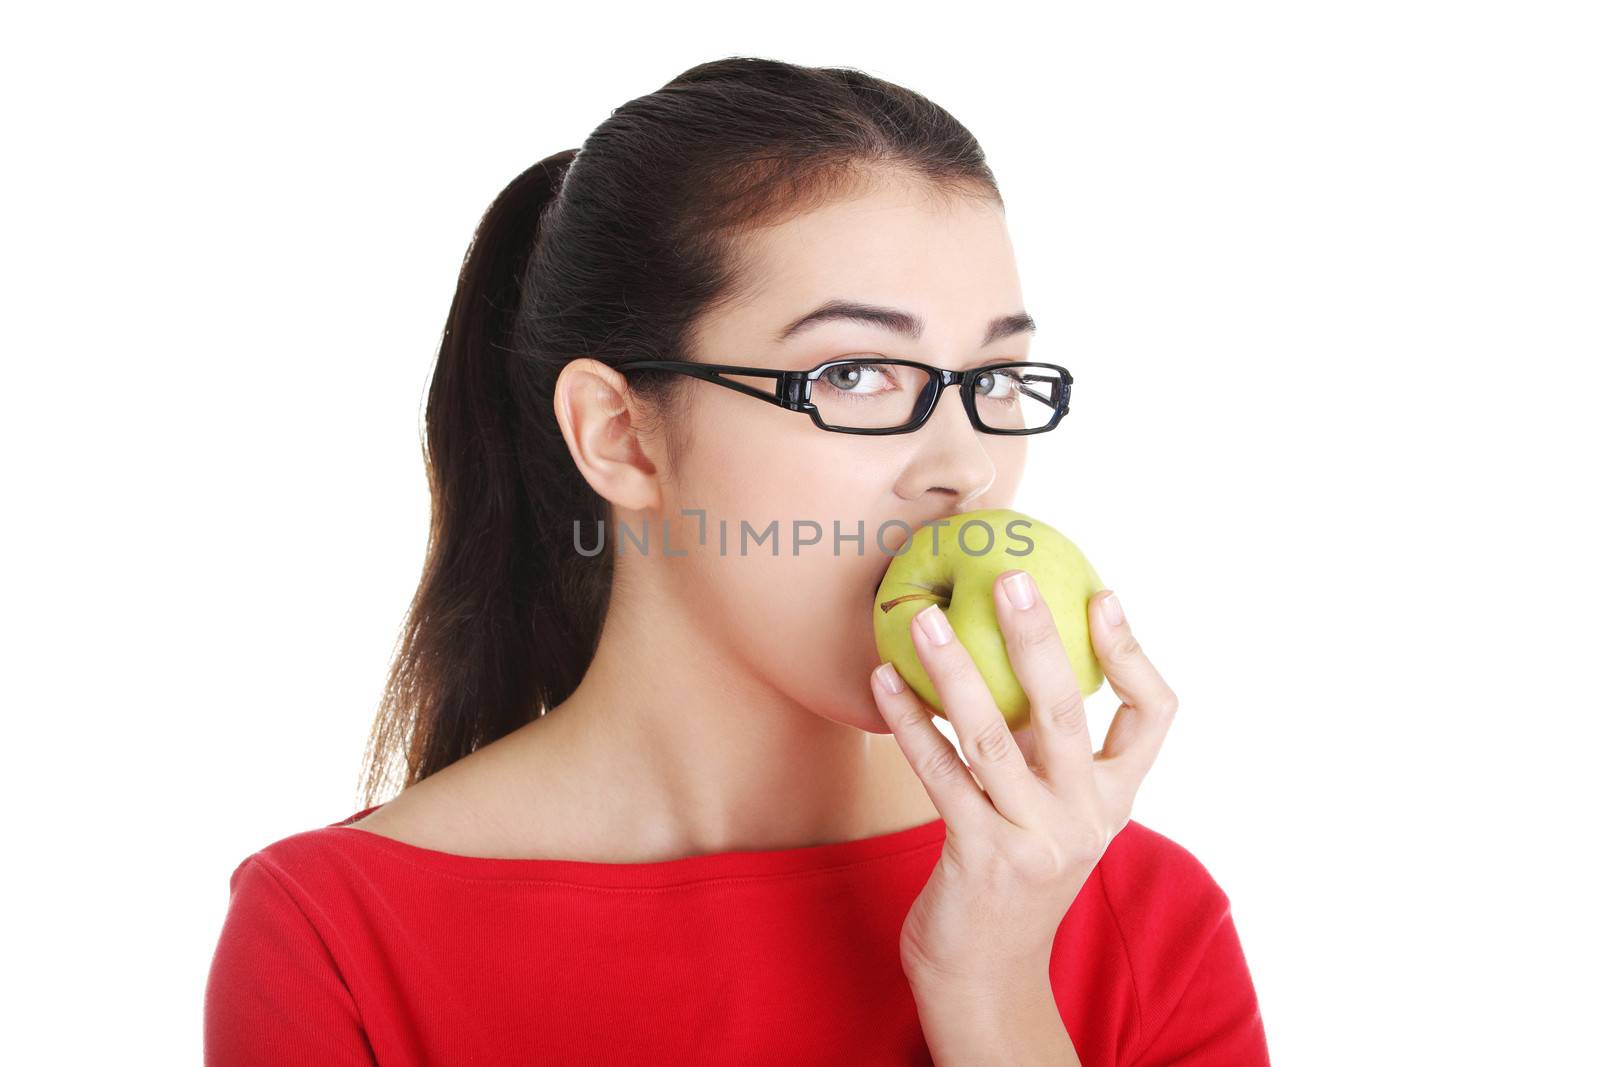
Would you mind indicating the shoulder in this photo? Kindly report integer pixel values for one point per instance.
(1141, 867)
(289, 905)
(1165, 902)
(278, 986)
(294, 869)
(1193, 987)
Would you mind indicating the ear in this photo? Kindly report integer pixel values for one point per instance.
(595, 410)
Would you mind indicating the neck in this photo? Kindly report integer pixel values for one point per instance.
(676, 743)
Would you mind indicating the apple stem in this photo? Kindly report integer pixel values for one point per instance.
(890, 605)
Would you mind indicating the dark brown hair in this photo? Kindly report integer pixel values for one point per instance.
(611, 251)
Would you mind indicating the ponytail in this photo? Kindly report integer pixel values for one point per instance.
(469, 666)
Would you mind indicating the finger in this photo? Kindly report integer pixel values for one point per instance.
(1023, 735)
(1055, 702)
(944, 774)
(985, 738)
(1148, 703)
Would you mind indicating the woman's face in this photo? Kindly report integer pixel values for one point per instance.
(801, 618)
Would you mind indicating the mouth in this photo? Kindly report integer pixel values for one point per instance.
(878, 576)
(880, 573)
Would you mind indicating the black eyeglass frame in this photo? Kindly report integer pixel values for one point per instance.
(792, 389)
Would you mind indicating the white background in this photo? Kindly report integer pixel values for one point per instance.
(1326, 277)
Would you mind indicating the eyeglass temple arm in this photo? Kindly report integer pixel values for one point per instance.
(788, 391)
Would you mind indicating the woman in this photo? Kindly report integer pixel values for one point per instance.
(660, 804)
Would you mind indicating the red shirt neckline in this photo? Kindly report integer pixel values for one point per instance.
(659, 874)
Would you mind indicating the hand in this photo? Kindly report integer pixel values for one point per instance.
(1028, 821)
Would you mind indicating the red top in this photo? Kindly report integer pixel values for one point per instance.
(342, 946)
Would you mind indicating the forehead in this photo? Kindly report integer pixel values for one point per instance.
(942, 256)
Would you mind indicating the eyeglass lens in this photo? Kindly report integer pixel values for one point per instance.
(871, 396)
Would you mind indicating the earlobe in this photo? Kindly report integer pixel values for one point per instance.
(595, 410)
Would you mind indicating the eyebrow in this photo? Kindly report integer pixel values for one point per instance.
(901, 322)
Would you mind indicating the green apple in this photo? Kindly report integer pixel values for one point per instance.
(954, 565)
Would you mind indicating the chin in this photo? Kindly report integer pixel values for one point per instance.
(862, 717)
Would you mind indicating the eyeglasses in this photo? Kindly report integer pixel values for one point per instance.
(884, 396)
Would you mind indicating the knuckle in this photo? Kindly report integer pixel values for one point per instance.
(1044, 862)
(1067, 713)
(942, 764)
(1084, 843)
(1040, 637)
(1127, 648)
(908, 715)
(993, 741)
(955, 669)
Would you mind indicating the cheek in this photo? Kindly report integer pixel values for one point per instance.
(804, 620)
(804, 623)
(789, 473)
(1010, 455)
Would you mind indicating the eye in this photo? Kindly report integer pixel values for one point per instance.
(996, 385)
(858, 379)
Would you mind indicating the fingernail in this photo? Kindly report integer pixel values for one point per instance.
(1019, 590)
(889, 678)
(934, 625)
(1112, 610)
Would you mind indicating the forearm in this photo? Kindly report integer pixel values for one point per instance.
(1017, 1029)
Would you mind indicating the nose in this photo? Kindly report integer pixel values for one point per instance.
(951, 456)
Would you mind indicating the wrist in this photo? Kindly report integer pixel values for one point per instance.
(975, 1025)
(981, 1000)
(1019, 982)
